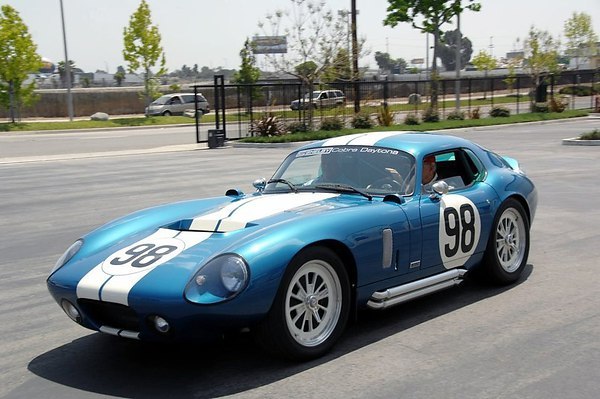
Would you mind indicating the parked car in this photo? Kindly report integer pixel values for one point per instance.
(177, 104)
(320, 99)
(344, 224)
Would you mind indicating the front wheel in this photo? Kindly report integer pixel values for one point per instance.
(311, 308)
(508, 247)
(167, 113)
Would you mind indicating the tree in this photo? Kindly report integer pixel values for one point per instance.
(18, 57)
(248, 73)
(119, 75)
(484, 62)
(142, 49)
(62, 72)
(314, 37)
(447, 50)
(387, 63)
(581, 39)
(340, 68)
(541, 57)
(432, 14)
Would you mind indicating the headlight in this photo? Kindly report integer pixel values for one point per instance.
(220, 279)
(69, 253)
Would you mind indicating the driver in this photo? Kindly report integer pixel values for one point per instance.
(429, 173)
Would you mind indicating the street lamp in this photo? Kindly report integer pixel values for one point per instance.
(67, 65)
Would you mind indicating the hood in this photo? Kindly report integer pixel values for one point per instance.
(249, 211)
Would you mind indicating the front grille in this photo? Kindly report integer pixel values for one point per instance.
(110, 314)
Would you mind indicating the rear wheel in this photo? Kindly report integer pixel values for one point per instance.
(311, 308)
(508, 247)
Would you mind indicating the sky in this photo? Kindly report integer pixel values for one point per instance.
(211, 33)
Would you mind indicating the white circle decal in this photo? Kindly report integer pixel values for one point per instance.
(142, 255)
(460, 228)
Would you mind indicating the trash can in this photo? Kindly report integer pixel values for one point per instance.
(216, 138)
(541, 93)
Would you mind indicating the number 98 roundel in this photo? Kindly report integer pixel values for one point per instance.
(460, 228)
(142, 255)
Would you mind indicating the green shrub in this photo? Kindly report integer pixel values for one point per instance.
(593, 135)
(385, 117)
(500, 112)
(475, 113)
(580, 90)
(268, 125)
(557, 104)
(412, 119)
(297, 127)
(362, 120)
(332, 123)
(456, 116)
(539, 108)
(430, 115)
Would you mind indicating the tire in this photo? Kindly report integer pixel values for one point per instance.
(508, 246)
(311, 308)
(167, 113)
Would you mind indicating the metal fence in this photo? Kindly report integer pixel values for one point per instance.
(239, 107)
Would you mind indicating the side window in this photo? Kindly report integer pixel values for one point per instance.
(324, 95)
(451, 167)
(188, 98)
(175, 100)
(475, 165)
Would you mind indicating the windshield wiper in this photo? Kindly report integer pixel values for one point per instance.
(290, 185)
(343, 188)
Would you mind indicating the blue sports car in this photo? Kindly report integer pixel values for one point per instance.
(362, 221)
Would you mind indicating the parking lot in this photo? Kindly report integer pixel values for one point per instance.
(535, 339)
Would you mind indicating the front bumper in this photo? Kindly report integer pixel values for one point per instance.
(187, 321)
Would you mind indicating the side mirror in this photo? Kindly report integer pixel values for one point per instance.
(259, 184)
(440, 187)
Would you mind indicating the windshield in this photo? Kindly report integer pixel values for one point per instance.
(372, 170)
(315, 95)
(161, 100)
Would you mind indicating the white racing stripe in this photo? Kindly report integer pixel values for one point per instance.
(237, 215)
(114, 278)
(112, 282)
(360, 138)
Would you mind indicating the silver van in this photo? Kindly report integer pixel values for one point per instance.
(177, 104)
(320, 99)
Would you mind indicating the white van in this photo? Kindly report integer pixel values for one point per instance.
(320, 99)
(176, 104)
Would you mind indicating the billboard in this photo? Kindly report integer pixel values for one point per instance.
(269, 44)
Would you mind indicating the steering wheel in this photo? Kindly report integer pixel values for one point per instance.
(386, 181)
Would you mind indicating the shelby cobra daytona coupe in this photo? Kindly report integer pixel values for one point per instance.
(344, 224)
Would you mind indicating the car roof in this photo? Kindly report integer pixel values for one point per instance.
(414, 143)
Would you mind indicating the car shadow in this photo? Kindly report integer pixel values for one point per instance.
(113, 366)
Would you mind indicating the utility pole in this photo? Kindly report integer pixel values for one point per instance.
(67, 65)
(458, 44)
(355, 59)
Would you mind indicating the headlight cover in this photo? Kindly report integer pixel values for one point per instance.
(69, 253)
(222, 278)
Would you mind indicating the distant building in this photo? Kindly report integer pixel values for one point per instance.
(588, 58)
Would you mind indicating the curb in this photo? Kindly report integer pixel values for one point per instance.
(577, 141)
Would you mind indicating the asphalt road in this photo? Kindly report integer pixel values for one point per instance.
(539, 338)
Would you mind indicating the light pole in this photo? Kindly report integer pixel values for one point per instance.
(355, 57)
(458, 45)
(67, 65)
